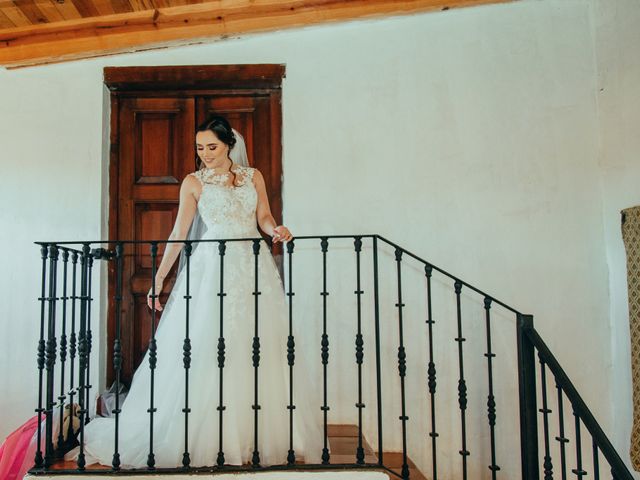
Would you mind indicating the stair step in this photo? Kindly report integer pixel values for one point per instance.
(343, 443)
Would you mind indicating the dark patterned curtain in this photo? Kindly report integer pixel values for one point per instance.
(631, 237)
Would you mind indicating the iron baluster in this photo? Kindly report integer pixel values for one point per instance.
(376, 318)
(89, 335)
(578, 471)
(72, 337)
(431, 375)
(324, 349)
(402, 365)
(221, 354)
(50, 354)
(44, 253)
(82, 350)
(359, 349)
(545, 410)
(491, 401)
(117, 353)
(462, 384)
(291, 353)
(186, 356)
(255, 458)
(596, 459)
(561, 438)
(151, 459)
(63, 347)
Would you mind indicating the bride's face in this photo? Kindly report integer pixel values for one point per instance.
(212, 151)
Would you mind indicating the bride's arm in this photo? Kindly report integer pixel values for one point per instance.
(186, 213)
(263, 212)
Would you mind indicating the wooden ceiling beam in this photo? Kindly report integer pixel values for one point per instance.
(179, 25)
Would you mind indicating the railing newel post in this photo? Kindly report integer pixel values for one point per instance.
(527, 394)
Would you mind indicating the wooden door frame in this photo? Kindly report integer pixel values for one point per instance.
(182, 80)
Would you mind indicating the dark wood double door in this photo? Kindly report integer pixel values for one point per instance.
(154, 113)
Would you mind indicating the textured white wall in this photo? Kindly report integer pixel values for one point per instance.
(470, 136)
(618, 91)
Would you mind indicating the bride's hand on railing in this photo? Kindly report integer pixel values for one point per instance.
(158, 290)
(281, 234)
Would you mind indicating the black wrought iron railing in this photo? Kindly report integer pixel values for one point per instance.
(404, 310)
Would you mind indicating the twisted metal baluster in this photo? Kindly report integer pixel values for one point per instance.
(44, 253)
(491, 402)
(82, 351)
(186, 357)
(89, 337)
(63, 347)
(151, 458)
(255, 458)
(117, 353)
(402, 366)
(561, 436)
(376, 318)
(221, 354)
(324, 349)
(578, 471)
(50, 355)
(291, 354)
(72, 337)
(545, 410)
(431, 375)
(462, 384)
(359, 350)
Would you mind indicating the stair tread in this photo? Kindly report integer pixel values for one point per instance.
(343, 443)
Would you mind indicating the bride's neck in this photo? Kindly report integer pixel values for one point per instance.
(224, 166)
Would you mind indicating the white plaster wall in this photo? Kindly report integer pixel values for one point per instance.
(470, 136)
(617, 35)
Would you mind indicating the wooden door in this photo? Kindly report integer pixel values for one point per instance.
(153, 149)
(156, 135)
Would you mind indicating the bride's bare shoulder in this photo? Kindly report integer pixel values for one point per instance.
(254, 173)
(193, 179)
(192, 183)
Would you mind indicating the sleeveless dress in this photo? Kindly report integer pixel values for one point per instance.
(228, 212)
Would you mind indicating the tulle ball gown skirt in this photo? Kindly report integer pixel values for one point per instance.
(237, 318)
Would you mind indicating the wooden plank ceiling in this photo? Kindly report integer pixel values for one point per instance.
(35, 32)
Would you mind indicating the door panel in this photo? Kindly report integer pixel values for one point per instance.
(155, 133)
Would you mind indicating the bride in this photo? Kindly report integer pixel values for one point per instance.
(224, 199)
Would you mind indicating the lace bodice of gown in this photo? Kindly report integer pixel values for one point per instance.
(228, 210)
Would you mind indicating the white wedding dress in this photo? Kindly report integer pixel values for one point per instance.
(228, 212)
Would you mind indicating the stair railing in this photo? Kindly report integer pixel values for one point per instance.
(68, 317)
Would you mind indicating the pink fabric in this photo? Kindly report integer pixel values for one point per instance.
(18, 450)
